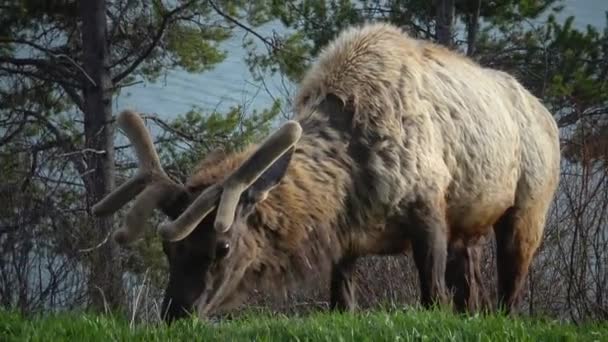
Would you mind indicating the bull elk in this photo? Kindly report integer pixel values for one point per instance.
(395, 142)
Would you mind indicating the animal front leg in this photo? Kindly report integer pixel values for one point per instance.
(429, 245)
(342, 292)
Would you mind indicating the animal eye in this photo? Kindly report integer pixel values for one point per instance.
(222, 249)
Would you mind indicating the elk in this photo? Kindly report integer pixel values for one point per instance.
(395, 142)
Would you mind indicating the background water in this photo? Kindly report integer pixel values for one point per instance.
(231, 83)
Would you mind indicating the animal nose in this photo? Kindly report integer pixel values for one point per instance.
(222, 249)
(173, 311)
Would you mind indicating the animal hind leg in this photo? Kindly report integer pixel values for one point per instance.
(342, 288)
(463, 278)
(518, 235)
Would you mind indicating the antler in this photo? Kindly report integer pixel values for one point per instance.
(232, 188)
(151, 184)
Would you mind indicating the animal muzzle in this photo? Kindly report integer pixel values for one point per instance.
(173, 309)
(179, 305)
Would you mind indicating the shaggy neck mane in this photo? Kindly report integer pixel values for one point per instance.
(295, 231)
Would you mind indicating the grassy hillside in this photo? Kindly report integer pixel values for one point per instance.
(375, 326)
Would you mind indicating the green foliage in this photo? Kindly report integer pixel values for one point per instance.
(311, 24)
(291, 59)
(373, 326)
(508, 11)
(192, 135)
(579, 62)
(564, 66)
(192, 53)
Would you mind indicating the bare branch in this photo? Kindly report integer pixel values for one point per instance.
(272, 46)
(41, 63)
(10, 135)
(71, 92)
(47, 72)
(155, 39)
(82, 151)
(4, 40)
(79, 163)
(89, 78)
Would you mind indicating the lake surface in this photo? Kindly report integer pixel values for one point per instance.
(230, 83)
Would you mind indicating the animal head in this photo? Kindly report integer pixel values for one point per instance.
(207, 256)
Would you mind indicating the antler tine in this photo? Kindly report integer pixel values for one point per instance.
(192, 216)
(232, 188)
(150, 185)
(119, 197)
(133, 126)
(142, 208)
(252, 169)
(149, 165)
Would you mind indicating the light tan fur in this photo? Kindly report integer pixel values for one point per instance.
(473, 134)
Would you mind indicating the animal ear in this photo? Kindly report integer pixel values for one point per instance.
(259, 190)
(175, 203)
(340, 116)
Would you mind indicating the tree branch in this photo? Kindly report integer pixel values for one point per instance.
(271, 45)
(73, 95)
(41, 64)
(116, 19)
(79, 163)
(575, 116)
(163, 26)
(4, 40)
(12, 134)
(68, 87)
(45, 67)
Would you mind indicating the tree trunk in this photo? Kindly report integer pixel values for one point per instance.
(472, 28)
(105, 286)
(445, 21)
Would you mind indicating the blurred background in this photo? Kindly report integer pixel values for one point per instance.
(212, 73)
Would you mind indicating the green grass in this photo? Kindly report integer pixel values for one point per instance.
(322, 326)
